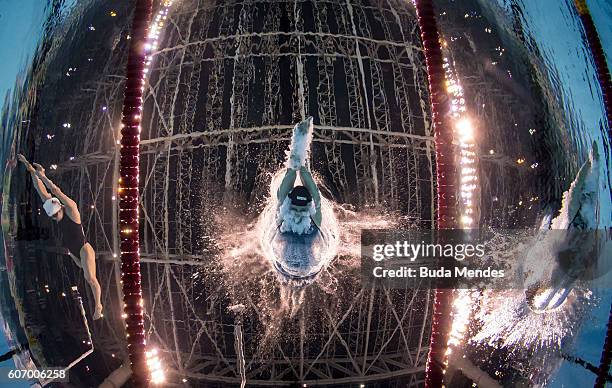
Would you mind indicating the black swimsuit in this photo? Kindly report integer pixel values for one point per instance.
(72, 234)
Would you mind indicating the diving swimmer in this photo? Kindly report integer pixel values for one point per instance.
(65, 212)
(580, 246)
(298, 210)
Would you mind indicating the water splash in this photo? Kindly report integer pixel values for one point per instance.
(507, 321)
(249, 277)
(462, 309)
(503, 319)
(266, 229)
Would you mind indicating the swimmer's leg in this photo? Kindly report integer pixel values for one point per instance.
(88, 263)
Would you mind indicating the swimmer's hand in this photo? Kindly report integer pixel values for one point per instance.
(295, 162)
(27, 164)
(40, 170)
(303, 127)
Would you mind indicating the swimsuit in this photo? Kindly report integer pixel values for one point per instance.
(73, 237)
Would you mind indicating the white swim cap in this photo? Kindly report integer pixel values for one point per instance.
(52, 206)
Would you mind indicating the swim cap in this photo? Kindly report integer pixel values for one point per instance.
(300, 196)
(52, 206)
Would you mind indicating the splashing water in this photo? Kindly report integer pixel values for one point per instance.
(246, 262)
(502, 318)
(507, 321)
(327, 246)
(508, 318)
(462, 308)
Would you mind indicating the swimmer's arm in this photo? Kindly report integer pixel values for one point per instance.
(38, 185)
(72, 210)
(313, 189)
(286, 185)
(318, 217)
(40, 188)
(56, 191)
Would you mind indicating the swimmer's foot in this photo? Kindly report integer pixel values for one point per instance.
(98, 313)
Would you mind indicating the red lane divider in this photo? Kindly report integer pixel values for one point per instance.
(446, 171)
(603, 75)
(128, 194)
(603, 72)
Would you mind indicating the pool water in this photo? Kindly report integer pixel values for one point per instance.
(539, 110)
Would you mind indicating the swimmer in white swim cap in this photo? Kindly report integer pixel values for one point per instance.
(63, 210)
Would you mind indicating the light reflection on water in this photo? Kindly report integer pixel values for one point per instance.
(559, 36)
(26, 40)
(554, 39)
